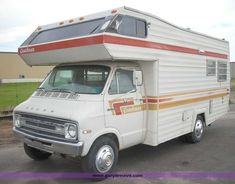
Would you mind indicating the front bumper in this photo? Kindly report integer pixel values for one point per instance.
(72, 149)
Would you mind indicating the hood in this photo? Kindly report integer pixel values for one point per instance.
(75, 110)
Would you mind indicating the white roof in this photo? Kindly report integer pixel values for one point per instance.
(121, 10)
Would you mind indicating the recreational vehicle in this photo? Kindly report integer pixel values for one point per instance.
(121, 78)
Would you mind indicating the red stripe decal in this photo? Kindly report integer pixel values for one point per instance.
(117, 106)
(156, 100)
(161, 46)
(63, 44)
(93, 40)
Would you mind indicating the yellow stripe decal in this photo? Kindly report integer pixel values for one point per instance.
(127, 105)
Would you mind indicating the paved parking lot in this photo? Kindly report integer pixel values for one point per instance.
(216, 153)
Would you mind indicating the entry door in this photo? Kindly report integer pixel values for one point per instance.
(124, 109)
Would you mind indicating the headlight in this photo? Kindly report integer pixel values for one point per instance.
(16, 120)
(70, 131)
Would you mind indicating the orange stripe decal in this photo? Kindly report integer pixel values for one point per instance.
(125, 106)
(189, 101)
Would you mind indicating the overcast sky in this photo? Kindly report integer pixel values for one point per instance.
(19, 18)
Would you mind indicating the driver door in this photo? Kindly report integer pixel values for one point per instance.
(124, 109)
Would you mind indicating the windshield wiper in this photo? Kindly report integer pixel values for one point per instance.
(41, 88)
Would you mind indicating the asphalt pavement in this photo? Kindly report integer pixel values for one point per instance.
(216, 153)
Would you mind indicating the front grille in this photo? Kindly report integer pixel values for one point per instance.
(45, 127)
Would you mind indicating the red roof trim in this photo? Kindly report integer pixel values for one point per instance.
(93, 40)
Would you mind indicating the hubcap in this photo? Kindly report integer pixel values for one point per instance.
(104, 159)
(198, 129)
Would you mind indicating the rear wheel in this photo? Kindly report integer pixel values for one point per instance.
(198, 131)
(102, 156)
(36, 154)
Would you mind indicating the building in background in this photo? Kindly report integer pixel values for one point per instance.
(232, 70)
(14, 69)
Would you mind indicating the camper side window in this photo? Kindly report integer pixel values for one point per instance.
(122, 82)
(130, 26)
(222, 71)
(210, 67)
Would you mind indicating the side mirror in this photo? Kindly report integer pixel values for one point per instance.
(137, 78)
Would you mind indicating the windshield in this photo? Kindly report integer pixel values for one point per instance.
(83, 79)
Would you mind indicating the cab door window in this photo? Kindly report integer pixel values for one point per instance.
(122, 82)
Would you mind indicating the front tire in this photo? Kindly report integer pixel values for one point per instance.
(198, 131)
(102, 157)
(36, 154)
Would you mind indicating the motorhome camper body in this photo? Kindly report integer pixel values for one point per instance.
(122, 77)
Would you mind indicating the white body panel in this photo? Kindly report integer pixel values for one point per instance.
(86, 53)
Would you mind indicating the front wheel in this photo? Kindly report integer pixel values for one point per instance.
(102, 156)
(36, 154)
(198, 131)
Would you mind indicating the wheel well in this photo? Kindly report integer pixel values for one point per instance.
(112, 136)
(203, 117)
